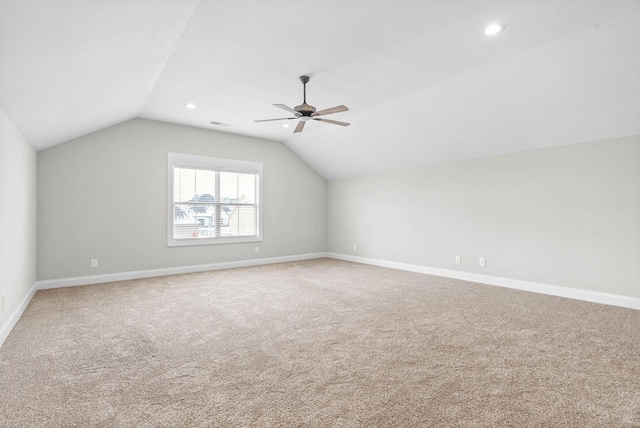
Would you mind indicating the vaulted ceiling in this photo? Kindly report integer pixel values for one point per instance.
(424, 85)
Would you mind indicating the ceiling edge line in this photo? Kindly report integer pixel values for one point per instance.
(168, 54)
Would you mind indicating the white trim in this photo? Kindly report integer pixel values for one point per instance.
(123, 276)
(554, 290)
(536, 287)
(212, 164)
(17, 313)
(6, 328)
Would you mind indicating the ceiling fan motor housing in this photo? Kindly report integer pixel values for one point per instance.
(305, 109)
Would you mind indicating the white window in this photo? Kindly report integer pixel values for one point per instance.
(213, 200)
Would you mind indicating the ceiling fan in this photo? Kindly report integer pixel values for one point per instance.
(306, 112)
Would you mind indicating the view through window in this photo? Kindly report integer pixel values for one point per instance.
(213, 200)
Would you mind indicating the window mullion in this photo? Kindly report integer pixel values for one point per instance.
(216, 206)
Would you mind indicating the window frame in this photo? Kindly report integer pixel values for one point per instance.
(212, 164)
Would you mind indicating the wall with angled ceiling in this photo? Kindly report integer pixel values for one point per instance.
(564, 216)
(104, 196)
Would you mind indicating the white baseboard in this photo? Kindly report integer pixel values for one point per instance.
(553, 290)
(6, 328)
(123, 276)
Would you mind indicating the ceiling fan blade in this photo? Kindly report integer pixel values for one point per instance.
(284, 107)
(335, 122)
(299, 127)
(336, 109)
(269, 120)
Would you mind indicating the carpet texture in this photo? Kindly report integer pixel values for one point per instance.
(319, 343)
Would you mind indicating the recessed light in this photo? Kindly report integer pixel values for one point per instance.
(191, 106)
(285, 125)
(493, 29)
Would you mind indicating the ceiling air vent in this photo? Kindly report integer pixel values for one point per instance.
(213, 122)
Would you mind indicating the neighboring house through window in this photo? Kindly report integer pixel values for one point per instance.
(213, 200)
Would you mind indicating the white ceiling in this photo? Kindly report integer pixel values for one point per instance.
(423, 83)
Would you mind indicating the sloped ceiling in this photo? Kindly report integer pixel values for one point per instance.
(423, 83)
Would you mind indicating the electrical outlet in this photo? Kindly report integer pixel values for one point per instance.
(257, 250)
(458, 259)
(355, 247)
(94, 263)
(483, 261)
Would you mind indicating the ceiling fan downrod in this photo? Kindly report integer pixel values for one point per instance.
(304, 80)
(304, 109)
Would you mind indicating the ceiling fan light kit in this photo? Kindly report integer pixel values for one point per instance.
(305, 112)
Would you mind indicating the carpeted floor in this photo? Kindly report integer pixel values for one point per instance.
(320, 343)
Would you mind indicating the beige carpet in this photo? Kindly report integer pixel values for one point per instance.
(319, 343)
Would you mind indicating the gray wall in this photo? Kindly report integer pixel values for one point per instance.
(17, 217)
(103, 196)
(567, 216)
